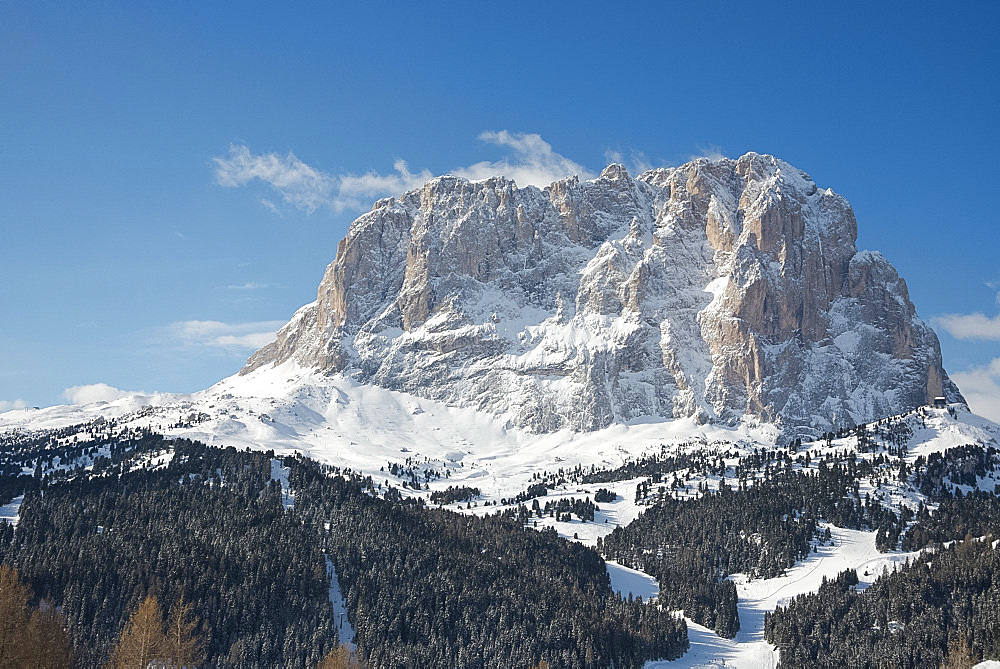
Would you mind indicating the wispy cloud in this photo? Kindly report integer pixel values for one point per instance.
(10, 405)
(271, 207)
(249, 285)
(219, 335)
(94, 392)
(299, 184)
(981, 387)
(712, 152)
(307, 188)
(356, 192)
(531, 161)
(970, 326)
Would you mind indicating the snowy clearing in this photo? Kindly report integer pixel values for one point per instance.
(10, 511)
(345, 632)
(850, 549)
(627, 581)
(279, 473)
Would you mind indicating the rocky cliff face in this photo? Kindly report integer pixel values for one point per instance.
(717, 289)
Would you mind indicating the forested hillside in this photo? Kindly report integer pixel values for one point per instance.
(134, 515)
(114, 519)
(943, 608)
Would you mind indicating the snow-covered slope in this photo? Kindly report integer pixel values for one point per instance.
(336, 419)
(714, 290)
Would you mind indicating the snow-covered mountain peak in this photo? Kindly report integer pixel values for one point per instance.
(713, 290)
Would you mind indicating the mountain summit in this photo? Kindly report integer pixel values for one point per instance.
(720, 289)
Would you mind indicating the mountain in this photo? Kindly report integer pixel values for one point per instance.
(717, 290)
(617, 363)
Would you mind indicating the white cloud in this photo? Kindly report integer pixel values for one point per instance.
(981, 387)
(299, 184)
(532, 162)
(994, 285)
(970, 326)
(306, 187)
(216, 334)
(10, 405)
(249, 285)
(356, 192)
(254, 340)
(271, 207)
(94, 392)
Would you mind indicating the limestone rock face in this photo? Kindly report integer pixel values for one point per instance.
(717, 289)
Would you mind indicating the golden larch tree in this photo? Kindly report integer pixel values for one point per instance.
(143, 639)
(340, 658)
(48, 644)
(185, 647)
(14, 597)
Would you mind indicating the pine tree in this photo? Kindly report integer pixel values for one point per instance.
(143, 638)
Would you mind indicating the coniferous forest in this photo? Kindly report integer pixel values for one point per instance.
(941, 610)
(132, 545)
(210, 527)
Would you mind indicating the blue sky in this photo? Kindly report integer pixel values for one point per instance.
(131, 256)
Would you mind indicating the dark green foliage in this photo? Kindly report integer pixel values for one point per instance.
(454, 494)
(976, 514)
(691, 545)
(431, 588)
(604, 495)
(428, 587)
(534, 490)
(564, 509)
(906, 619)
(253, 572)
(425, 587)
(961, 465)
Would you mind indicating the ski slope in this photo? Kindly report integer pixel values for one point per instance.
(850, 549)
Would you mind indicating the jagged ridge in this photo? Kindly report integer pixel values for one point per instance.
(717, 289)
